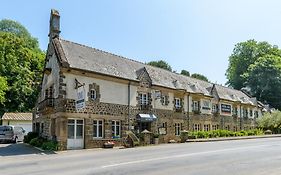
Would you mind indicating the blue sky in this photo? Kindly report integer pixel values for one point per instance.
(196, 35)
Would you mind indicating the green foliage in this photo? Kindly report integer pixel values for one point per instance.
(244, 54)
(271, 121)
(50, 146)
(38, 141)
(264, 79)
(200, 77)
(21, 63)
(185, 72)
(3, 89)
(224, 133)
(161, 64)
(44, 144)
(30, 136)
(256, 65)
(10, 26)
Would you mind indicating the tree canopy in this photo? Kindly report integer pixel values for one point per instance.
(21, 64)
(3, 89)
(271, 121)
(185, 72)
(200, 77)
(244, 54)
(161, 64)
(256, 66)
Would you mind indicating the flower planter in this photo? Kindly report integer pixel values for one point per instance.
(108, 145)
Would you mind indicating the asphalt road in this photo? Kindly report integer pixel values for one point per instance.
(256, 156)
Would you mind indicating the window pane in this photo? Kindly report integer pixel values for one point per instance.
(71, 131)
(95, 134)
(100, 130)
(79, 122)
(117, 130)
(100, 122)
(71, 121)
(79, 131)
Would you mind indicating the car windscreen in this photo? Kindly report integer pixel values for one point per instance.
(6, 128)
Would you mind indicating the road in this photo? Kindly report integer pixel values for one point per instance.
(255, 156)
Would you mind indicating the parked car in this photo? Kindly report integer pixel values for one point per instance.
(11, 133)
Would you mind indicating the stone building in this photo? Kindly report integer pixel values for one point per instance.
(89, 97)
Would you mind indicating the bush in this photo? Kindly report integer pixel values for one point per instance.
(38, 141)
(30, 136)
(50, 145)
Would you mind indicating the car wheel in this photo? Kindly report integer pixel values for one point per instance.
(15, 140)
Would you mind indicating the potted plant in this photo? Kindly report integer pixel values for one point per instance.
(156, 138)
(108, 144)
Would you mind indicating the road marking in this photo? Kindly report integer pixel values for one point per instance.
(179, 156)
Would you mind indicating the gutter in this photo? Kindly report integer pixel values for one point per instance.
(129, 102)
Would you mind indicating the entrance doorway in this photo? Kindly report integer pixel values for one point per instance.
(75, 138)
(144, 126)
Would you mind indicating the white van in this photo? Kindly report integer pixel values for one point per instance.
(11, 133)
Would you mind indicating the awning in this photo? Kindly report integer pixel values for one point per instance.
(146, 117)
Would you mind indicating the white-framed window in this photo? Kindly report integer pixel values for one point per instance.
(116, 128)
(196, 127)
(144, 99)
(177, 129)
(98, 129)
(93, 94)
(177, 103)
(206, 127)
(215, 127)
(195, 105)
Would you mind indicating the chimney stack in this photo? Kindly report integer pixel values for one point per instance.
(54, 24)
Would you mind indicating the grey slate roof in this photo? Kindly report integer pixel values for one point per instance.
(234, 95)
(86, 58)
(90, 59)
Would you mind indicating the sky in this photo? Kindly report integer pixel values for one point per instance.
(195, 35)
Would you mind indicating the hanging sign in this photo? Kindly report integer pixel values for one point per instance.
(80, 102)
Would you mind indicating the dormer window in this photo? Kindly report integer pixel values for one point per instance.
(93, 94)
(144, 99)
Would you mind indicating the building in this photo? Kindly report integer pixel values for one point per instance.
(89, 97)
(18, 119)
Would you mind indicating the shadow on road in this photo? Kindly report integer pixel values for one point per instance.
(20, 149)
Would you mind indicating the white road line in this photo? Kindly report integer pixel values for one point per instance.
(180, 156)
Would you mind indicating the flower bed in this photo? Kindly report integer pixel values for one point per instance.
(223, 133)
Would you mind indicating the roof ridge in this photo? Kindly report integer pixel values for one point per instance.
(83, 45)
(144, 64)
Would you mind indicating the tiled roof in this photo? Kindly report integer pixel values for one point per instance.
(82, 57)
(86, 58)
(17, 116)
(234, 95)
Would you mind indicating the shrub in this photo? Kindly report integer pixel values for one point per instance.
(30, 136)
(38, 141)
(50, 145)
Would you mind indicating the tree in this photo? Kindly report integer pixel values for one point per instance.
(264, 79)
(185, 72)
(16, 28)
(271, 121)
(3, 88)
(200, 77)
(244, 54)
(161, 64)
(21, 62)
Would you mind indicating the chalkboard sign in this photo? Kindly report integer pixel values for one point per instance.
(225, 108)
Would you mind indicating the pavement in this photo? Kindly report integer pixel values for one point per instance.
(235, 157)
